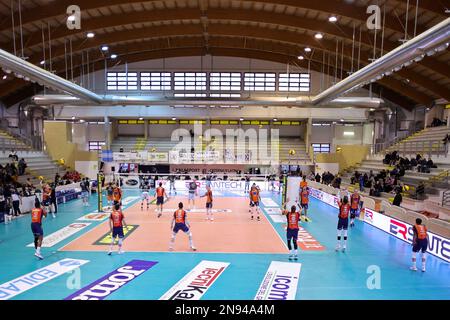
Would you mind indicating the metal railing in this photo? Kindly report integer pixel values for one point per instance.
(411, 148)
(445, 201)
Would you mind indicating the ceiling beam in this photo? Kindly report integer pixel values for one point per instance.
(255, 54)
(115, 20)
(293, 38)
(57, 10)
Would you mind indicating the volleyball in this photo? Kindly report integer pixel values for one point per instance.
(292, 152)
(41, 178)
(153, 149)
(61, 161)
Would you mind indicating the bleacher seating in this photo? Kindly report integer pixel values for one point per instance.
(427, 141)
(38, 164)
(9, 142)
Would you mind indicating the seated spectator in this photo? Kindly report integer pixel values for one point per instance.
(413, 163)
(387, 158)
(430, 163)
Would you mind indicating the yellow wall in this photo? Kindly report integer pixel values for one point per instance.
(57, 137)
(348, 156)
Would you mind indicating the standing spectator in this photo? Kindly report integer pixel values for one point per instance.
(16, 202)
(318, 177)
(53, 200)
(22, 165)
(361, 183)
(398, 198)
(57, 179)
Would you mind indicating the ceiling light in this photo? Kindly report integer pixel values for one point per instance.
(7, 71)
(81, 121)
(71, 18)
(141, 118)
(105, 48)
(90, 35)
(318, 36)
(301, 57)
(42, 62)
(308, 49)
(4, 77)
(73, 117)
(275, 119)
(173, 119)
(26, 79)
(342, 120)
(113, 56)
(372, 109)
(332, 19)
(241, 119)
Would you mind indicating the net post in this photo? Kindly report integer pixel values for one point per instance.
(99, 192)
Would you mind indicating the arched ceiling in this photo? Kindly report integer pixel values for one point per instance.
(273, 30)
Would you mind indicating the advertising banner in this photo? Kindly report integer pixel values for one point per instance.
(61, 234)
(437, 245)
(33, 279)
(113, 281)
(280, 281)
(195, 284)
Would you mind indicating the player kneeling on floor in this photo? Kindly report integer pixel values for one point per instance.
(420, 244)
(179, 222)
(116, 224)
(293, 220)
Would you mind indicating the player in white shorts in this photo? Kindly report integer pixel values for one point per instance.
(145, 196)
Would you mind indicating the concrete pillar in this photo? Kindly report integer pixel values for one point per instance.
(308, 134)
(107, 128)
(146, 127)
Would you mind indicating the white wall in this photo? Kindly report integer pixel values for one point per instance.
(82, 133)
(131, 130)
(340, 138)
(322, 134)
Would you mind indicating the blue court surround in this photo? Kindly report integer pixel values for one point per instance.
(324, 274)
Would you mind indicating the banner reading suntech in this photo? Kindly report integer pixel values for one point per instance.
(437, 245)
(195, 284)
(33, 279)
(113, 281)
(280, 281)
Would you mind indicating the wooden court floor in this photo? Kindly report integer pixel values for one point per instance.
(232, 231)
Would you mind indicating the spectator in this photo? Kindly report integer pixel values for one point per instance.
(22, 165)
(361, 183)
(397, 199)
(16, 202)
(57, 179)
(430, 163)
(318, 178)
(53, 200)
